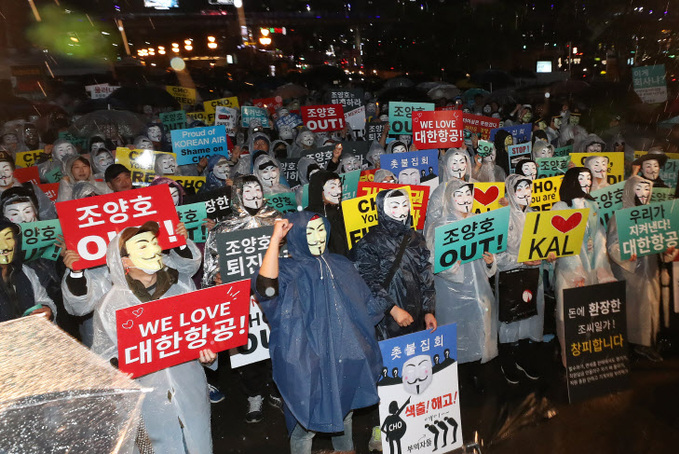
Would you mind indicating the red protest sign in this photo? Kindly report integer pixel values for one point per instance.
(442, 129)
(329, 117)
(89, 224)
(170, 331)
(478, 124)
(419, 195)
(51, 190)
(270, 104)
(367, 175)
(27, 174)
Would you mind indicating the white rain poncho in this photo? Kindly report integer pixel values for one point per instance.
(589, 267)
(180, 393)
(435, 204)
(373, 157)
(583, 142)
(66, 184)
(530, 328)
(269, 186)
(464, 296)
(641, 276)
(62, 149)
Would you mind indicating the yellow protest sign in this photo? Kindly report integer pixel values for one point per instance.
(140, 163)
(183, 95)
(27, 158)
(487, 196)
(360, 213)
(189, 183)
(639, 153)
(226, 102)
(616, 164)
(560, 232)
(546, 192)
(419, 198)
(205, 117)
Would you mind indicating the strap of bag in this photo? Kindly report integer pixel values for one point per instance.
(397, 261)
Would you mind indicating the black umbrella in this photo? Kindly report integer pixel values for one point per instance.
(134, 98)
(110, 124)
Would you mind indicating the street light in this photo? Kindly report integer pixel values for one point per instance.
(211, 42)
(175, 48)
(188, 44)
(265, 40)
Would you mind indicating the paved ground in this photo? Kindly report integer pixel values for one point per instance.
(643, 419)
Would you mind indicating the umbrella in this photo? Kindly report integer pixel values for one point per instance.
(58, 396)
(290, 91)
(444, 91)
(502, 97)
(137, 97)
(426, 86)
(469, 95)
(111, 124)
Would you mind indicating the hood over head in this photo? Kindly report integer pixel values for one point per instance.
(384, 220)
(452, 186)
(376, 150)
(18, 194)
(305, 166)
(67, 164)
(283, 152)
(447, 172)
(255, 136)
(583, 141)
(18, 258)
(393, 143)
(501, 154)
(94, 160)
(628, 195)
(510, 189)
(539, 146)
(237, 192)
(316, 183)
(297, 240)
(383, 174)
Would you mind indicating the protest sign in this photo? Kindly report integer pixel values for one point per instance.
(211, 105)
(322, 155)
(217, 202)
(289, 171)
(559, 231)
(487, 196)
(54, 175)
(89, 224)
(609, 200)
(190, 145)
(192, 216)
(27, 175)
(485, 148)
(437, 129)
(78, 142)
(400, 121)
(290, 120)
(140, 163)
(360, 214)
(252, 114)
(616, 164)
(227, 117)
(596, 340)
(349, 184)
(518, 152)
(27, 158)
(419, 392)
(669, 172)
(284, 202)
(647, 229)
(183, 95)
(170, 331)
(173, 120)
(520, 133)
(208, 118)
(325, 118)
(478, 124)
(374, 131)
(650, 84)
(270, 104)
(51, 190)
(100, 91)
(367, 175)
(563, 151)
(413, 167)
(466, 240)
(190, 184)
(419, 198)
(662, 194)
(38, 239)
(546, 192)
(550, 167)
(257, 347)
(355, 119)
(349, 99)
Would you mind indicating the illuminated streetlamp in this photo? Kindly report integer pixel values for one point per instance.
(211, 42)
(175, 48)
(264, 40)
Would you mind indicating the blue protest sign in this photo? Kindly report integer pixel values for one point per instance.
(191, 145)
(413, 167)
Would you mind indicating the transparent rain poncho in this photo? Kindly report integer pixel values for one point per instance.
(263, 161)
(57, 397)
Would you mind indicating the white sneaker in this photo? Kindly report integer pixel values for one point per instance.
(254, 413)
(375, 443)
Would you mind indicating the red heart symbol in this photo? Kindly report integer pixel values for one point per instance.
(138, 312)
(566, 225)
(128, 324)
(487, 197)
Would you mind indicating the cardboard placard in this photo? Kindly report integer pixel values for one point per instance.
(183, 95)
(662, 194)
(51, 190)
(190, 184)
(227, 117)
(400, 122)
(413, 167)
(518, 152)
(217, 202)
(270, 104)
(355, 119)
(487, 196)
(367, 175)
(284, 202)
(559, 231)
(290, 120)
(520, 133)
(648, 229)
(190, 145)
(374, 130)
(419, 198)
(211, 106)
(54, 175)
(650, 84)
(241, 252)
(349, 184)
(257, 347)
(100, 91)
(609, 200)
(437, 129)
(38, 239)
(546, 192)
(28, 174)
(669, 172)
(170, 331)
(27, 158)
(466, 240)
(419, 392)
(208, 118)
(192, 216)
(616, 164)
(140, 163)
(173, 120)
(485, 148)
(325, 118)
(596, 340)
(563, 151)
(89, 224)
(349, 99)
(550, 167)
(249, 114)
(479, 124)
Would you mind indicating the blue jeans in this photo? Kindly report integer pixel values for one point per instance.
(301, 439)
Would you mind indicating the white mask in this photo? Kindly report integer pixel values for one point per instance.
(545, 152)
(458, 166)
(650, 169)
(104, 160)
(64, 149)
(523, 193)
(332, 191)
(154, 133)
(598, 167)
(270, 176)
(409, 176)
(307, 139)
(397, 207)
(594, 148)
(399, 149)
(352, 163)
(96, 146)
(6, 175)
(530, 170)
(316, 235)
(20, 212)
(643, 192)
(417, 374)
(585, 180)
(144, 144)
(221, 169)
(168, 165)
(463, 199)
(144, 252)
(174, 192)
(252, 195)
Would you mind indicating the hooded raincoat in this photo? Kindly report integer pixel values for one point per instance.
(641, 276)
(262, 161)
(530, 328)
(464, 295)
(412, 285)
(325, 357)
(212, 181)
(176, 412)
(66, 184)
(334, 214)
